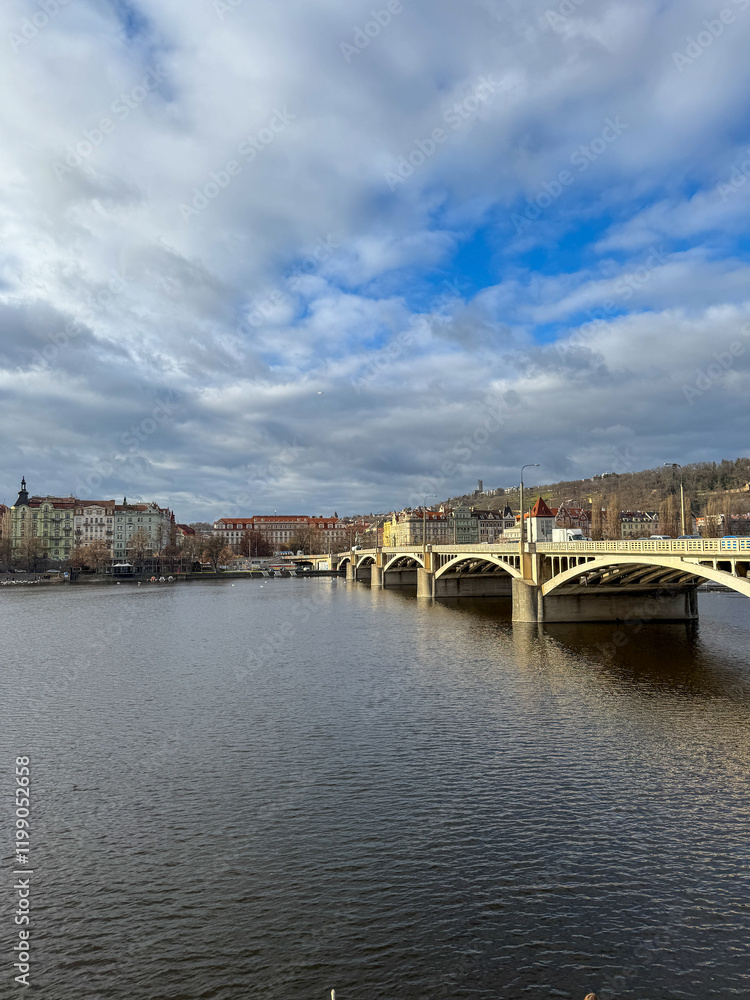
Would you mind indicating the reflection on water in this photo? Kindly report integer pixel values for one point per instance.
(270, 791)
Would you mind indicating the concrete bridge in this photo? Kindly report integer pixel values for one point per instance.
(647, 579)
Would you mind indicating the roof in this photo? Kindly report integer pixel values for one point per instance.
(540, 509)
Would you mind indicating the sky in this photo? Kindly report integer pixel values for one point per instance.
(342, 255)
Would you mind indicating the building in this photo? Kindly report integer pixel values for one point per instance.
(539, 522)
(463, 526)
(279, 530)
(405, 528)
(64, 523)
(155, 524)
(50, 519)
(490, 525)
(94, 521)
(639, 523)
(4, 522)
(568, 515)
(335, 534)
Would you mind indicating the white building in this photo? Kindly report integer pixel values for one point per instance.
(94, 521)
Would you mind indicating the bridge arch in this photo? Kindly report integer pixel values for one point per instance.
(481, 559)
(410, 560)
(639, 569)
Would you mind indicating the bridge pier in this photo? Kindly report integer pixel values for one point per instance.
(351, 573)
(531, 605)
(425, 584)
(376, 577)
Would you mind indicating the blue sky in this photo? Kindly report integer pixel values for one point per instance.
(306, 257)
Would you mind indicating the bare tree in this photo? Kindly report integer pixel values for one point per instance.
(253, 544)
(213, 550)
(597, 525)
(97, 555)
(669, 516)
(190, 551)
(5, 552)
(139, 547)
(613, 524)
(308, 540)
(31, 552)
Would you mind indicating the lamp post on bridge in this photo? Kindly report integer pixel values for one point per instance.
(532, 465)
(424, 526)
(674, 465)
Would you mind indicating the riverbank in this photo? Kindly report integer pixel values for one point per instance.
(101, 579)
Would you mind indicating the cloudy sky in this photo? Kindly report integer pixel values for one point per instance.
(308, 256)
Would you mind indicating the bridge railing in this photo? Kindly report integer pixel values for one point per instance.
(686, 546)
(683, 546)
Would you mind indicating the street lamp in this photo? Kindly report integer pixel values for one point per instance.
(424, 525)
(532, 465)
(674, 465)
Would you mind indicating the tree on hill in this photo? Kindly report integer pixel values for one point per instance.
(613, 524)
(597, 520)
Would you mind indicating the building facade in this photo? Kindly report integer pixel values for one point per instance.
(94, 521)
(639, 523)
(153, 525)
(279, 530)
(49, 519)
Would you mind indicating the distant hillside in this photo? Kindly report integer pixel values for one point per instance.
(703, 482)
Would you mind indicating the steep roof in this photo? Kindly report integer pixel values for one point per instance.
(540, 509)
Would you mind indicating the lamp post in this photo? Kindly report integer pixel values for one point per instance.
(424, 525)
(674, 465)
(532, 465)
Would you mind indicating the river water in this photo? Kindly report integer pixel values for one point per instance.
(275, 788)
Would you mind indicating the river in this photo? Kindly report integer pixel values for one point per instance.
(275, 788)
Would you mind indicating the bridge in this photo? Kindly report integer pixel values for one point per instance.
(560, 582)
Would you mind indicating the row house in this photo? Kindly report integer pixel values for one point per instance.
(491, 524)
(639, 523)
(94, 521)
(154, 524)
(571, 516)
(407, 527)
(63, 523)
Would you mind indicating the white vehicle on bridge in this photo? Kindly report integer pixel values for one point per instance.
(569, 535)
